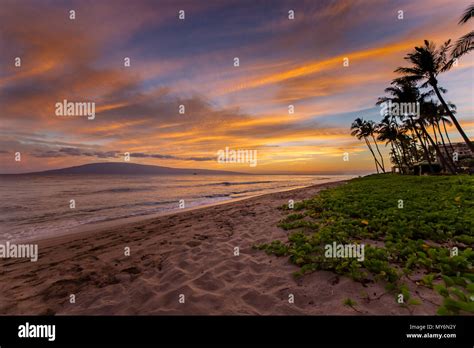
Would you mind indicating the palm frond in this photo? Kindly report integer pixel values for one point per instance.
(467, 15)
(464, 45)
(414, 74)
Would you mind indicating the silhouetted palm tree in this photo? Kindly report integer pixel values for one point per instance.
(446, 121)
(427, 62)
(464, 44)
(439, 118)
(404, 91)
(360, 130)
(429, 110)
(413, 125)
(387, 131)
(371, 128)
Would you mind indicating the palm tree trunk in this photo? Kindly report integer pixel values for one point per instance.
(447, 136)
(423, 145)
(451, 115)
(445, 147)
(404, 153)
(383, 164)
(440, 155)
(421, 137)
(397, 160)
(434, 132)
(425, 140)
(400, 148)
(375, 159)
(400, 156)
(414, 153)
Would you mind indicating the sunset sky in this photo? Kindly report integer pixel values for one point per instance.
(191, 62)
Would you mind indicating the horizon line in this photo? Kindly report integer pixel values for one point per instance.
(217, 171)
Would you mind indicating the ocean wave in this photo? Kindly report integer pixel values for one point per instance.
(223, 183)
(217, 195)
(122, 189)
(227, 183)
(128, 205)
(246, 191)
(48, 217)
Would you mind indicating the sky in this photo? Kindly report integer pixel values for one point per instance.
(191, 62)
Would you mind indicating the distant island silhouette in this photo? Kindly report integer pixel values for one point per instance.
(129, 169)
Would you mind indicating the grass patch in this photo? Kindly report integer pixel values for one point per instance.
(407, 223)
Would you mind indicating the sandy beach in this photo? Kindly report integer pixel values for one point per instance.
(189, 253)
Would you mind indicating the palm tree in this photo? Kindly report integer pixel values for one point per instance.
(446, 121)
(429, 110)
(371, 129)
(411, 124)
(430, 115)
(404, 91)
(427, 62)
(440, 117)
(464, 44)
(360, 130)
(388, 132)
(413, 149)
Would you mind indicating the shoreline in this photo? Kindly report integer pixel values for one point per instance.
(96, 227)
(188, 253)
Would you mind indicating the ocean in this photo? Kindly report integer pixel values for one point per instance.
(34, 207)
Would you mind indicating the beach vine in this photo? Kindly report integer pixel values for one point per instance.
(428, 241)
